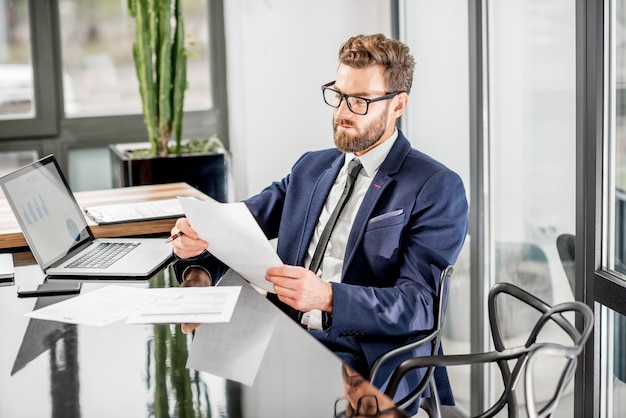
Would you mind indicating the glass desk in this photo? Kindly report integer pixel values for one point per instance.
(53, 369)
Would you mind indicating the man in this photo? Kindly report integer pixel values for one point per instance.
(404, 221)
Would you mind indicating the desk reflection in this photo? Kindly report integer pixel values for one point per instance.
(176, 390)
(41, 336)
(362, 399)
(140, 370)
(61, 341)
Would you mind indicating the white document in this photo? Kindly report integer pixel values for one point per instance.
(110, 304)
(138, 211)
(190, 305)
(234, 237)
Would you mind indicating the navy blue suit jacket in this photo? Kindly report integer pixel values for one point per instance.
(411, 224)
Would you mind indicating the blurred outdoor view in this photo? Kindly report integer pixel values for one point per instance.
(98, 72)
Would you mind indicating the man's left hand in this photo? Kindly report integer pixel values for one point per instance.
(300, 288)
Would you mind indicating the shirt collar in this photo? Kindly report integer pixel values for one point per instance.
(372, 159)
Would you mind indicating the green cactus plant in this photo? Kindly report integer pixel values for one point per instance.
(161, 64)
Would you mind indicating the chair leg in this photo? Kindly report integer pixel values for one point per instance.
(430, 407)
(432, 404)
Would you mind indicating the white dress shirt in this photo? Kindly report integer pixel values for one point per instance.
(332, 263)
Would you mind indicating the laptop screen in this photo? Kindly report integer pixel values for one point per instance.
(51, 220)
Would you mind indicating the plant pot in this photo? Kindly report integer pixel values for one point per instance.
(206, 172)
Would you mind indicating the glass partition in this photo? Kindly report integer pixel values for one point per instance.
(532, 140)
(436, 122)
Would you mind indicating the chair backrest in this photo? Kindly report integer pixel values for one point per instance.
(522, 358)
(532, 349)
(565, 245)
(433, 338)
(524, 264)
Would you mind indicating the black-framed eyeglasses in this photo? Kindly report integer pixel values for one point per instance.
(366, 407)
(356, 104)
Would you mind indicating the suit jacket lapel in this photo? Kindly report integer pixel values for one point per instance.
(318, 198)
(380, 182)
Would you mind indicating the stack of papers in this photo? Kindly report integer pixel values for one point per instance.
(132, 212)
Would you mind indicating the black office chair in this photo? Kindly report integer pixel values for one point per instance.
(434, 339)
(522, 357)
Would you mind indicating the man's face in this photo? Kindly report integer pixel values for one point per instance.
(359, 133)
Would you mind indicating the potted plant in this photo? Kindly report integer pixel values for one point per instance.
(160, 60)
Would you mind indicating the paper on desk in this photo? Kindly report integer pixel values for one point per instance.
(112, 303)
(191, 305)
(138, 211)
(234, 237)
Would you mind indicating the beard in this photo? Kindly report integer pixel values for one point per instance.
(363, 138)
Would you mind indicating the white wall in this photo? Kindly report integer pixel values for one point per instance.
(279, 53)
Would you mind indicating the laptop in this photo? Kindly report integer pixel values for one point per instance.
(58, 235)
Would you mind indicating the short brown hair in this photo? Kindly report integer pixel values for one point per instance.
(362, 51)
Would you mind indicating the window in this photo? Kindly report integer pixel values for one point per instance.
(12, 160)
(612, 331)
(78, 87)
(98, 69)
(16, 71)
(617, 132)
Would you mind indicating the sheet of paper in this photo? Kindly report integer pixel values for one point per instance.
(113, 303)
(235, 350)
(234, 237)
(138, 211)
(197, 305)
(103, 306)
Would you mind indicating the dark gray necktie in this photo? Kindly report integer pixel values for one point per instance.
(353, 171)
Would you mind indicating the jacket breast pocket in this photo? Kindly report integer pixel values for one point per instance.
(383, 235)
(386, 219)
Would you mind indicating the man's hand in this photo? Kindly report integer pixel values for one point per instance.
(300, 288)
(189, 244)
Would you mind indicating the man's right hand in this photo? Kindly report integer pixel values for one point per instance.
(189, 244)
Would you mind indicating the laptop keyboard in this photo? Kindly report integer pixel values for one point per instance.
(103, 255)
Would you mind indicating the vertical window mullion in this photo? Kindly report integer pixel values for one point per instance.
(479, 216)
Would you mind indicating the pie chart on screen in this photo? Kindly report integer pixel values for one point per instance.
(72, 229)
